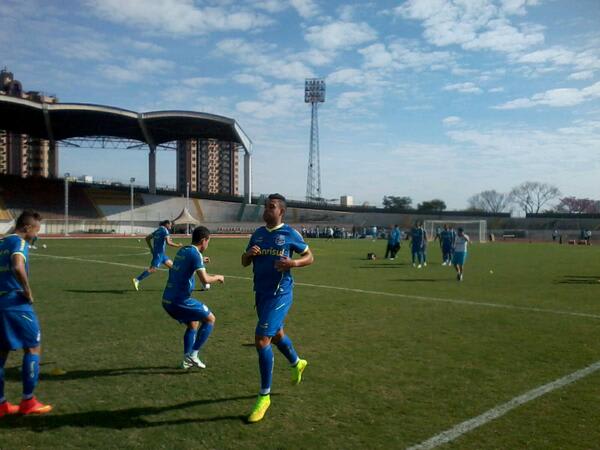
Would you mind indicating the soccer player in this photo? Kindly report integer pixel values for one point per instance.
(393, 244)
(417, 236)
(446, 242)
(177, 296)
(270, 251)
(157, 242)
(19, 327)
(460, 253)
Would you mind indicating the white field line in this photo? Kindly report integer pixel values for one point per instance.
(363, 291)
(498, 411)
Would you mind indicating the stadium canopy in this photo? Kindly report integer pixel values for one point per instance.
(185, 218)
(60, 121)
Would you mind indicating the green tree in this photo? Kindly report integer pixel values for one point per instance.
(432, 205)
(397, 202)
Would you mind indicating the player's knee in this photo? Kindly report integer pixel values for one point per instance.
(33, 350)
(210, 319)
(262, 341)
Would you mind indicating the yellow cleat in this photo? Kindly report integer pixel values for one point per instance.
(136, 283)
(297, 371)
(260, 408)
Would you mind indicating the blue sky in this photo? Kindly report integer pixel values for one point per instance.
(425, 98)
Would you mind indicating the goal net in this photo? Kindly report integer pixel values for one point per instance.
(476, 229)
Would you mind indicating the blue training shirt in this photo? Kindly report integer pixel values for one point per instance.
(447, 238)
(394, 238)
(181, 280)
(9, 285)
(274, 244)
(417, 236)
(159, 240)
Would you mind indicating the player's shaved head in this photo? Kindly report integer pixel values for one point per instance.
(27, 217)
(165, 223)
(279, 198)
(200, 233)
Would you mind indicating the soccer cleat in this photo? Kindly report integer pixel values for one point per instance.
(136, 283)
(460, 278)
(7, 409)
(32, 406)
(260, 408)
(419, 266)
(424, 264)
(192, 361)
(297, 371)
(414, 265)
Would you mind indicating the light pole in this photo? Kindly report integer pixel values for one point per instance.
(67, 175)
(131, 181)
(187, 205)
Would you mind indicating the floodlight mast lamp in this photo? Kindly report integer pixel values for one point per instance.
(314, 93)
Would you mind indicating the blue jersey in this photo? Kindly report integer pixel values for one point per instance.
(10, 288)
(394, 238)
(447, 238)
(417, 236)
(159, 240)
(274, 244)
(181, 280)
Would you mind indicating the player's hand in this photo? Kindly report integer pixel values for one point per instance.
(28, 295)
(206, 259)
(253, 251)
(220, 279)
(284, 264)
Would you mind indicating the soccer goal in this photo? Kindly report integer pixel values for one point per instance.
(476, 229)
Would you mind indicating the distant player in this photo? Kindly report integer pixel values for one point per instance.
(446, 243)
(417, 238)
(424, 249)
(460, 253)
(393, 243)
(177, 297)
(270, 251)
(157, 242)
(19, 327)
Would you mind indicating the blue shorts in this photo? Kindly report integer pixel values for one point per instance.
(271, 311)
(459, 258)
(19, 328)
(159, 259)
(185, 311)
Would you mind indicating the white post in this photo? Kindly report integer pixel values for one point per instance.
(187, 205)
(131, 181)
(67, 175)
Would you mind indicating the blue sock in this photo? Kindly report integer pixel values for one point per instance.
(202, 335)
(2, 362)
(188, 340)
(265, 363)
(144, 274)
(31, 372)
(286, 347)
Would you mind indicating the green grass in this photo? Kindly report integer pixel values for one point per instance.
(384, 371)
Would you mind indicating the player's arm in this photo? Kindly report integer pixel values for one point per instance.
(285, 263)
(149, 241)
(205, 278)
(249, 255)
(18, 267)
(170, 242)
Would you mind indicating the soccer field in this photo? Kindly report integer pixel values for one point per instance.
(396, 355)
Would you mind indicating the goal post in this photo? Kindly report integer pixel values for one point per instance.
(476, 229)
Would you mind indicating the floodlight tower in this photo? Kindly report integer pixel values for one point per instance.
(314, 93)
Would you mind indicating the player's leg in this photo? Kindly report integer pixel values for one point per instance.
(154, 264)
(168, 263)
(202, 335)
(286, 347)
(30, 375)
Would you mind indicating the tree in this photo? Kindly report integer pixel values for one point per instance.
(490, 201)
(432, 205)
(531, 196)
(394, 202)
(575, 205)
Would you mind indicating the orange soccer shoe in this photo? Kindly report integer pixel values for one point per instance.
(32, 406)
(7, 409)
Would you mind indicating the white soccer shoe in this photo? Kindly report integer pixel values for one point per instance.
(192, 361)
(424, 264)
(419, 266)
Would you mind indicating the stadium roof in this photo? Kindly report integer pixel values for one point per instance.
(58, 121)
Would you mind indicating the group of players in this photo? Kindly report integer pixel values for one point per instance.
(270, 251)
(453, 245)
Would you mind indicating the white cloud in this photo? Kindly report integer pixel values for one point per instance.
(474, 25)
(496, 89)
(136, 69)
(339, 35)
(272, 6)
(279, 101)
(376, 55)
(585, 61)
(255, 81)
(583, 75)
(197, 82)
(463, 88)
(556, 98)
(347, 100)
(178, 16)
(305, 8)
(451, 120)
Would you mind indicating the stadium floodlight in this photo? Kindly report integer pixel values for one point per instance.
(67, 175)
(314, 93)
(131, 181)
(187, 205)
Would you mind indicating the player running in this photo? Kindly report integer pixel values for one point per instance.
(460, 253)
(19, 327)
(270, 251)
(177, 297)
(446, 242)
(157, 242)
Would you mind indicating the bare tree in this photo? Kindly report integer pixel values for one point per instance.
(490, 201)
(531, 196)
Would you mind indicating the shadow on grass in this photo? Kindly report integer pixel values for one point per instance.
(108, 291)
(580, 279)
(384, 266)
(426, 280)
(15, 375)
(117, 419)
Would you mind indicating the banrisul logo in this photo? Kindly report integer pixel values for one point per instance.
(279, 239)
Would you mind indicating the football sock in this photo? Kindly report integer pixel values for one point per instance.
(265, 363)
(202, 335)
(144, 274)
(286, 347)
(2, 362)
(31, 372)
(188, 340)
